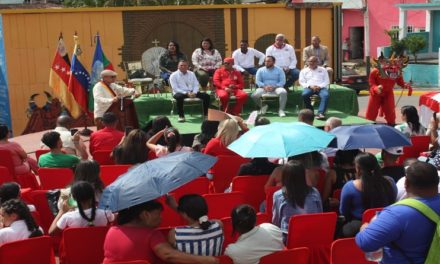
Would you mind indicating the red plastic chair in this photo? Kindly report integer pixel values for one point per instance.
(5, 176)
(296, 255)
(252, 187)
(26, 180)
(76, 249)
(315, 231)
(199, 186)
(369, 214)
(321, 181)
(109, 173)
(419, 145)
(337, 194)
(103, 157)
(225, 260)
(345, 251)
(40, 152)
(39, 200)
(151, 155)
(170, 218)
(55, 178)
(37, 250)
(221, 204)
(224, 170)
(269, 199)
(130, 262)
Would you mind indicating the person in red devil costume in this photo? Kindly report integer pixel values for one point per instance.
(382, 79)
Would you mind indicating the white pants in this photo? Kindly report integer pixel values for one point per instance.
(280, 91)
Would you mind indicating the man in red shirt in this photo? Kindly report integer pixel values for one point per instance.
(229, 81)
(108, 137)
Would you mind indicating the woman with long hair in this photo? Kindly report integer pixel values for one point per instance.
(370, 189)
(208, 131)
(411, 124)
(17, 222)
(295, 197)
(172, 140)
(206, 59)
(132, 149)
(169, 59)
(85, 214)
(228, 131)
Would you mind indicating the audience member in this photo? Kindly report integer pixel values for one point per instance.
(228, 82)
(132, 149)
(285, 58)
(169, 60)
(270, 80)
(172, 139)
(320, 52)
(12, 190)
(411, 125)
(295, 198)
(108, 137)
(155, 125)
(306, 116)
(257, 166)
(17, 222)
(208, 131)
(56, 158)
(206, 60)
(244, 59)
(254, 241)
(135, 238)
(228, 131)
(369, 190)
(331, 123)
(21, 162)
(85, 214)
(200, 236)
(261, 121)
(401, 191)
(390, 166)
(404, 233)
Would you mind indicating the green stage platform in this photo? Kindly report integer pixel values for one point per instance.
(342, 103)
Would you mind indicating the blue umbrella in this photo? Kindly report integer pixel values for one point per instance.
(153, 179)
(369, 136)
(278, 140)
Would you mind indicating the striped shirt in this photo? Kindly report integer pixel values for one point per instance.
(200, 242)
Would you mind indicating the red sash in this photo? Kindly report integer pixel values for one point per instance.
(110, 90)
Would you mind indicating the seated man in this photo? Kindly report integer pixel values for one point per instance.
(108, 137)
(244, 58)
(285, 59)
(320, 52)
(314, 80)
(229, 82)
(185, 85)
(270, 80)
(56, 158)
(390, 166)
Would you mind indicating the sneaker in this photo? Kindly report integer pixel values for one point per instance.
(263, 109)
(181, 119)
(281, 113)
(320, 116)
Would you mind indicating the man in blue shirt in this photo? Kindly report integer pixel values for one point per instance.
(270, 80)
(403, 232)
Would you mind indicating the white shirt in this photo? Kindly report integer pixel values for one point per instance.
(184, 83)
(246, 60)
(284, 57)
(318, 76)
(74, 219)
(103, 99)
(262, 240)
(401, 191)
(17, 231)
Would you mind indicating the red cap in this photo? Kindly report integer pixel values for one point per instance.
(229, 60)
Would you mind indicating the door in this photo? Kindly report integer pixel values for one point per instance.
(357, 42)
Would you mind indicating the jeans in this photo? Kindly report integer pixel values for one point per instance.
(323, 94)
(291, 76)
(251, 71)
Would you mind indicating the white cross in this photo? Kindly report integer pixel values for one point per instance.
(155, 42)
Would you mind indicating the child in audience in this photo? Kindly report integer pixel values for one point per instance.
(11, 190)
(201, 236)
(17, 222)
(411, 125)
(172, 139)
(86, 213)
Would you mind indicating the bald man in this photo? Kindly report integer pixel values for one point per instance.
(320, 52)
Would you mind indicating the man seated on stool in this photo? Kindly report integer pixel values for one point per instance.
(229, 82)
(314, 80)
(185, 85)
(244, 59)
(320, 52)
(270, 80)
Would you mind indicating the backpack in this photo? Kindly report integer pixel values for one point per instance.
(433, 256)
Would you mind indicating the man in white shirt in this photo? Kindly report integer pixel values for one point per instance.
(319, 51)
(314, 79)
(185, 85)
(244, 58)
(285, 58)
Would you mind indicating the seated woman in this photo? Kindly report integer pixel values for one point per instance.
(157, 124)
(206, 60)
(228, 131)
(86, 213)
(342, 172)
(208, 131)
(22, 163)
(17, 222)
(169, 59)
(172, 139)
(295, 198)
(135, 238)
(411, 125)
(370, 189)
(254, 241)
(201, 236)
(11, 190)
(132, 149)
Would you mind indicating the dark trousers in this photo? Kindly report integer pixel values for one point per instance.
(180, 97)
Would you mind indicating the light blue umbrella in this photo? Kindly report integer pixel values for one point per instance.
(278, 140)
(153, 179)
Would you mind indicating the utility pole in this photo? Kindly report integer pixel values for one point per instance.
(366, 34)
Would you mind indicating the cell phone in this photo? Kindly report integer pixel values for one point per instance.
(73, 131)
(128, 129)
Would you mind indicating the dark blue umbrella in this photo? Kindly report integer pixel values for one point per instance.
(154, 179)
(369, 136)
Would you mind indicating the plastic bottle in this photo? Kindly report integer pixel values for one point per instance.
(375, 256)
(296, 109)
